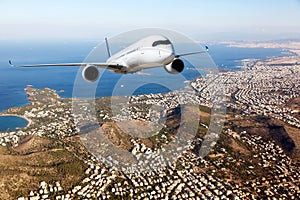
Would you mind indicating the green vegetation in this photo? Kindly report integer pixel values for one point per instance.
(205, 109)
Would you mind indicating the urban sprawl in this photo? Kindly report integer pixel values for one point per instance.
(259, 88)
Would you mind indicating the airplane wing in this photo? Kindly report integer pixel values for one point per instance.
(111, 66)
(192, 53)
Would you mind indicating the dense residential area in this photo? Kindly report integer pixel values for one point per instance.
(257, 154)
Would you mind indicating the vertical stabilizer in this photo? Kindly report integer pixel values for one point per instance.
(107, 48)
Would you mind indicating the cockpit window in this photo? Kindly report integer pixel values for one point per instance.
(159, 42)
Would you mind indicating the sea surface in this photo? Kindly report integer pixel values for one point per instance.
(10, 123)
(14, 80)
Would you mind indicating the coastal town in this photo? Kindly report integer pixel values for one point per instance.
(260, 89)
(240, 165)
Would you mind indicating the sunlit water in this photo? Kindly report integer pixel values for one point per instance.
(14, 80)
(10, 123)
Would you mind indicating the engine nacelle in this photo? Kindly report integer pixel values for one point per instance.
(90, 73)
(175, 67)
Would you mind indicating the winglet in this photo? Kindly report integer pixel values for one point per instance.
(107, 48)
(10, 63)
(206, 47)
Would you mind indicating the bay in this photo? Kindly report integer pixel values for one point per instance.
(14, 80)
(11, 123)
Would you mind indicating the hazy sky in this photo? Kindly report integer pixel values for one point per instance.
(201, 19)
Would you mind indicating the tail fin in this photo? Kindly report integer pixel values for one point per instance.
(107, 48)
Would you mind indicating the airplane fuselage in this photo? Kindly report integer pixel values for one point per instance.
(150, 52)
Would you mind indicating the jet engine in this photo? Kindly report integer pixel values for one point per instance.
(90, 73)
(175, 67)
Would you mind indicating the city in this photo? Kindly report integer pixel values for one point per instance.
(240, 165)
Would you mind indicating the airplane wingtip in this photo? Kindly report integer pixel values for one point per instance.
(10, 63)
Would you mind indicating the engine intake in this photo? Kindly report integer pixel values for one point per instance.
(175, 67)
(90, 73)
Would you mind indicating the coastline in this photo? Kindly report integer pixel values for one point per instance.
(291, 47)
(14, 96)
(285, 59)
(21, 116)
(245, 107)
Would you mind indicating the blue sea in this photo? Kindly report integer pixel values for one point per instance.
(14, 80)
(10, 123)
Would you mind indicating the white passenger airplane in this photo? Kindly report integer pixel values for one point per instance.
(150, 52)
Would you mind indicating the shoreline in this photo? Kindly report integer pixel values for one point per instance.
(291, 47)
(21, 116)
(294, 50)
